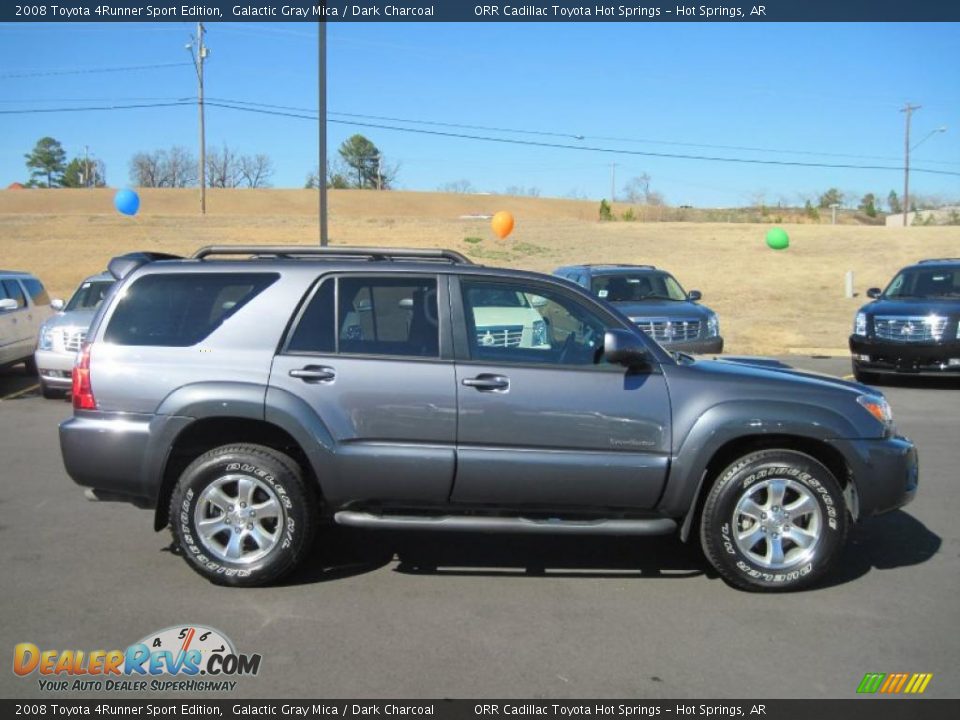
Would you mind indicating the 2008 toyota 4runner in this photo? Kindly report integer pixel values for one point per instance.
(248, 394)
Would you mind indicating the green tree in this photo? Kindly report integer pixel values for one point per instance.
(606, 213)
(831, 197)
(810, 211)
(868, 205)
(893, 202)
(47, 160)
(81, 172)
(366, 167)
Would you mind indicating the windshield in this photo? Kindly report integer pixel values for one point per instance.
(640, 286)
(925, 283)
(89, 295)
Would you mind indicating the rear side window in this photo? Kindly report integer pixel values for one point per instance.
(181, 310)
(38, 293)
(12, 290)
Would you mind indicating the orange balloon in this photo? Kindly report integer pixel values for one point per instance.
(502, 224)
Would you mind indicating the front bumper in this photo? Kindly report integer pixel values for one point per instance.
(883, 356)
(704, 346)
(55, 368)
(885, 473)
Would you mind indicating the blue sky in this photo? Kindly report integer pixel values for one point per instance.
(828, 89)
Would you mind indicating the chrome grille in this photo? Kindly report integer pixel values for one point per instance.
(500, 336)
(73, 339)
(669, 330)
(900, 328)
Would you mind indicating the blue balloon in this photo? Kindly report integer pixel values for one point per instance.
(127, 202)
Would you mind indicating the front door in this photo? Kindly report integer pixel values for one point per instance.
(366, 354)
(544, 421)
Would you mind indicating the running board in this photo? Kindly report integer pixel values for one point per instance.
(474, 523)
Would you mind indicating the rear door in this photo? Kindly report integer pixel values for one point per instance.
(372, 357)
(19, 332)
(544, 421)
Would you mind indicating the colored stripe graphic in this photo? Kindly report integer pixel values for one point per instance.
(871, 682)
(895, 683)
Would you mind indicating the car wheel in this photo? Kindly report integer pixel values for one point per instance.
(243, 515)
(774, 520)
(30, 366)
(51, 393)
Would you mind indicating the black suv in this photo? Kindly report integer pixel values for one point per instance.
(248, 399)
(912, 327)
(655, 302)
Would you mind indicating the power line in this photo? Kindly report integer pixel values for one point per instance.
(85, 71)
(613, 151)
(88, 108)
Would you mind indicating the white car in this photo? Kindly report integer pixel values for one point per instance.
(24, 305)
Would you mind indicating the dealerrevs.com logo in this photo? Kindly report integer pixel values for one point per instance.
(185, 658)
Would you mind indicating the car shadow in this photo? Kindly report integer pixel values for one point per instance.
(15, 382)
(880, 543)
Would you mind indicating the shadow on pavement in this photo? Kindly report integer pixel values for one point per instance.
(15, 380)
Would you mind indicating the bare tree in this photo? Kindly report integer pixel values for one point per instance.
(457, 186)
(223, 168)
(256, 170)
(637, 189)
(519, 190)
(146, 169)
(180, 168)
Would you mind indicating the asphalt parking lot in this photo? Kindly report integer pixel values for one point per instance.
(381, 615)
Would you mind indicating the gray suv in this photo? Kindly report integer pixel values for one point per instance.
(655, 302)
(249, 394)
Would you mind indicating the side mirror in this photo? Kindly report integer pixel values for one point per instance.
(405, 303)
(8, 304)
(694, 295)
(624, 348)
(57, 304)
(874, 293)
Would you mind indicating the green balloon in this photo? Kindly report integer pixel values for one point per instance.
(777, 239)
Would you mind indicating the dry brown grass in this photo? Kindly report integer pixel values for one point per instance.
(769, 302)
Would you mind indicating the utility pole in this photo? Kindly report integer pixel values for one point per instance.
(198, 59)
(86, 166)
(908, 110)
(613, 182)
(379, 171)
(322, 122)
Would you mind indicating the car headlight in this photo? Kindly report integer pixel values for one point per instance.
(860, 324)
(539, 333)
(878, 406)
(46, 338)
(713, 325)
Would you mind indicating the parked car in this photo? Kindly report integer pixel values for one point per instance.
(24, 305)
(653, 300)
(62, 335)
(912, 327)
(231, 393)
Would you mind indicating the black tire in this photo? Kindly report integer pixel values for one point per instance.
(725, 521)
(30, 366)
(273, 472)
(51, 393)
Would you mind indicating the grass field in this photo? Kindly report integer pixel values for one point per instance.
(768, 302)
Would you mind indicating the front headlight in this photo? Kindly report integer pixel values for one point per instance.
(860, 324)
(539, 333)
(878, 406)
(46, 338)
(713, 326)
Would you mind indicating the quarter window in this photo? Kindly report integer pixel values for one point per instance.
(37, 292)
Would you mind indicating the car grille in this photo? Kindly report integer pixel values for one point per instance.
(500, 336)
(669, 330)
(73, 339)
(909, 329)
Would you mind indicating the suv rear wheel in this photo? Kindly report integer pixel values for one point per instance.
(774, 520)
(243, 515)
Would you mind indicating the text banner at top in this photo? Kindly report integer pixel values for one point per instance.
(472, 11)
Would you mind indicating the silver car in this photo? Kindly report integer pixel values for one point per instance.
(62, 334)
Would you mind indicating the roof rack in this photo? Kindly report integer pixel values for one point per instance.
(342, 251)
(939, 260)
(624, 265)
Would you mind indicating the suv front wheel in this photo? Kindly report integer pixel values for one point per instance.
(242, 515)
(774, 520)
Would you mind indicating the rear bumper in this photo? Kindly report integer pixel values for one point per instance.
(885, 472)
(707, 346)
(878, 356)
(119, 456)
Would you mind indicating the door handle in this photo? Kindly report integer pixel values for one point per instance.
(488, 382)
(314, 374)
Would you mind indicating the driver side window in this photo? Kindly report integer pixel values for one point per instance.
(513, 322)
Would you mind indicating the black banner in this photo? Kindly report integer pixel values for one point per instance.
(483, 11)
(854, 709)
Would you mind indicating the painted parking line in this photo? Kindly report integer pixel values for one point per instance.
(848, 377)
(18, 393)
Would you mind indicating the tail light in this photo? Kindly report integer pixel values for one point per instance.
(82, 391)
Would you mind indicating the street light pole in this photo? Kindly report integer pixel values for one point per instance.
(908, 110)
(198, 59)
